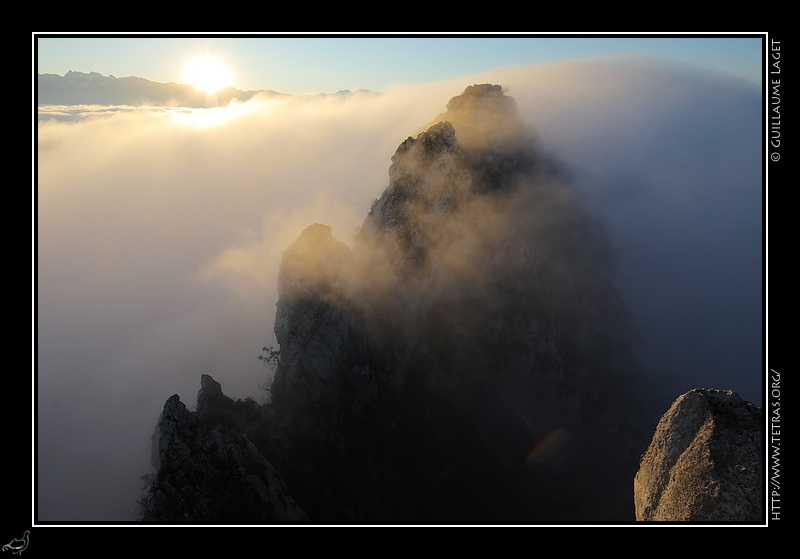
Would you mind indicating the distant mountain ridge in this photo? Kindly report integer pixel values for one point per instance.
(80, 88)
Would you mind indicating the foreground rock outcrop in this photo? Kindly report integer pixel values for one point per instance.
(705, 462)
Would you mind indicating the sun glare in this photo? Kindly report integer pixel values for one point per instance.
(211, 117)
(208, 73)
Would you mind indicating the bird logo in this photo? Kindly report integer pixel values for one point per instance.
(18, 545)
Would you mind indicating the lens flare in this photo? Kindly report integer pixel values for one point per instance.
(546, 447)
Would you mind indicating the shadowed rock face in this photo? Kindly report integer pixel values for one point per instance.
(472, 334)
(209, 467)
(705, 462)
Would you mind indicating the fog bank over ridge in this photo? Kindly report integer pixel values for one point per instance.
(160, 236)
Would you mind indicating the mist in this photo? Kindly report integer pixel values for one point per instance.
(160, 234)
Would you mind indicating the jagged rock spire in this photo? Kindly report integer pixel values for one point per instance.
(473, 324)
(478, 284)
(207, 472)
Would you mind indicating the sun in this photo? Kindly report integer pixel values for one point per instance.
(208, 73)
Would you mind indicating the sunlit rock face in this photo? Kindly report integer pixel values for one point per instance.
(704, 462)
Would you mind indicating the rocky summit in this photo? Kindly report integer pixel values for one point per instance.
(705, 462)
(467, 361)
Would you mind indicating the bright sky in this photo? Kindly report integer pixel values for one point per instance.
(326, 64)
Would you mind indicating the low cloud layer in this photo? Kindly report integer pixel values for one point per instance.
(160, 234)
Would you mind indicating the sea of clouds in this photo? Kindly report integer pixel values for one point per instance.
(159, 233)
